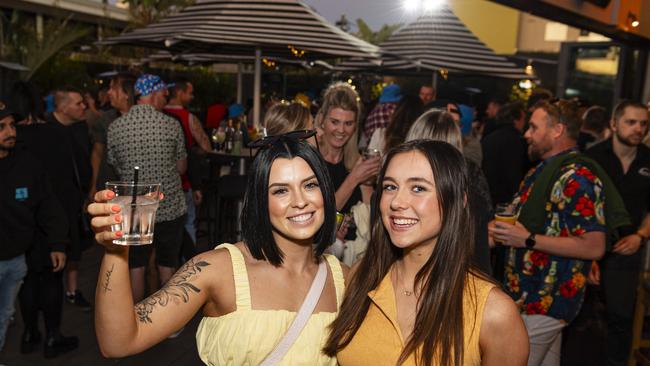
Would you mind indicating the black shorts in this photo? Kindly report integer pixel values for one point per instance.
(167, 240)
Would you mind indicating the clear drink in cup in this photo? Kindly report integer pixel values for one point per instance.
(139, 203)
(371, 154)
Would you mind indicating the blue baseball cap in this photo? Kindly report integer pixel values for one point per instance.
(391, 94)
(147, 84)
(235, 110)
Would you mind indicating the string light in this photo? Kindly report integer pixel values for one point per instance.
(529, 68)
(444, 73)
(526, 84)
(296, 52)
(268, 63)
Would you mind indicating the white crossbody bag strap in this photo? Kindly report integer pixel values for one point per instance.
(305, 312)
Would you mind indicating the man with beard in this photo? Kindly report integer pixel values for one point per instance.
(627, 162)
(560, 229)
(29, 207)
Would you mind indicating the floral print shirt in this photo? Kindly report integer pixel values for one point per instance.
(542, 283)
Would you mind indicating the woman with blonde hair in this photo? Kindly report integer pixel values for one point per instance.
(285, 117)
(439, 125)
(337, 124)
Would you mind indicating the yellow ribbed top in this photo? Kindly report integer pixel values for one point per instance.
(246, 336)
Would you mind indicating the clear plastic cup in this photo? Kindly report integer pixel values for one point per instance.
(139, 203)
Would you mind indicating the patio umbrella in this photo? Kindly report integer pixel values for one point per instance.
(211, 58)
(437, 40)
(281, 28)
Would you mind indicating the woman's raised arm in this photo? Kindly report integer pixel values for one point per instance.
(124, 328)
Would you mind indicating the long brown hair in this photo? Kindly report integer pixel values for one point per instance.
(438, 329)
(407, 112)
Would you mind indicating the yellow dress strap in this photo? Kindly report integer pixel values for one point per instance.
(337, 275)
(240, 275)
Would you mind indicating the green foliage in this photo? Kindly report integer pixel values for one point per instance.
(519, 94)
(21, 43)
(210, 87)
(145, 12)
(61, 70)
(373, 37)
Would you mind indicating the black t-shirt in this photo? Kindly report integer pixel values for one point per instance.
(585, 139)
(634, 186)
(338, 173)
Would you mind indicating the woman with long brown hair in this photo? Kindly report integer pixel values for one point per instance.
(415, 298)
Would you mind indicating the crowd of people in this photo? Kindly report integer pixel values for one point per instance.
(419, 271)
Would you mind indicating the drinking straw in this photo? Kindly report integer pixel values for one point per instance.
(134, 194)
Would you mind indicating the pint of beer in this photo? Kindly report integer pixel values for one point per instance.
(505, 212)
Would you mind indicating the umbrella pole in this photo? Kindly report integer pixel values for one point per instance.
(434, 80)
(257, 87)
(239, 82)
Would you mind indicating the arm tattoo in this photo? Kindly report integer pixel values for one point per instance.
(108, 279)
(178, 288)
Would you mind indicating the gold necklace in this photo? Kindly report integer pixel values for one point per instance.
(404, 290)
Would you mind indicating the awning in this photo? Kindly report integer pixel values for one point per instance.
(281, 28)
(437, 41)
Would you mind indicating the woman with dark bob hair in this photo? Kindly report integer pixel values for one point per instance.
(249, 292)
(415, 298)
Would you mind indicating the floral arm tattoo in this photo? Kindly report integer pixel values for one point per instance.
(178, 288)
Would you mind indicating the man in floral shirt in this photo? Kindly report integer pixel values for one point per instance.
(547, 265)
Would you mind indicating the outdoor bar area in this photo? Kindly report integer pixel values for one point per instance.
(324, 182)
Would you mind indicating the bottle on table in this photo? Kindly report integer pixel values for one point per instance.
(230, 135)
(238, 140)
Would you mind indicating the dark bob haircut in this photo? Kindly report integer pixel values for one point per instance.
(257, 231)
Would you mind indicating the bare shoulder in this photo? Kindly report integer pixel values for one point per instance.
(212, 265)
(351, 272)
(503, 338)
(500, 312)
(346, 272)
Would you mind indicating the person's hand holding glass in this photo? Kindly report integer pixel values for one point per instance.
(366, 169)
(129, 209)
(504, 212)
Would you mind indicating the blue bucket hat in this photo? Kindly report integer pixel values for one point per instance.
(391, 94)
(235, 110)
(147, 84)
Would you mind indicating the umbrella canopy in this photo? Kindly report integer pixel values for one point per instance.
(437, 40)
(281, 28)
(210, 58)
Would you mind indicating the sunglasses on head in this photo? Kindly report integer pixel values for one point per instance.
(267, 141)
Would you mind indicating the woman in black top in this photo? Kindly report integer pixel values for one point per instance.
(337, 125)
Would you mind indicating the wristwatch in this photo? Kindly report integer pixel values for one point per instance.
(530, 241)
(643, 237)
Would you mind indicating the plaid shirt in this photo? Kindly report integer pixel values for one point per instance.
(378, 118)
